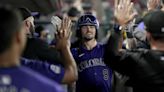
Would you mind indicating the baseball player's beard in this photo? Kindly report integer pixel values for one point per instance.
(88, 37)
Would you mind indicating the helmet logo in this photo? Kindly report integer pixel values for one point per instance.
(88, 20)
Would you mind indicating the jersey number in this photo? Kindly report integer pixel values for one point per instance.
(105, 74)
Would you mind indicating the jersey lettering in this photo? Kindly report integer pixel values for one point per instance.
(90, 63)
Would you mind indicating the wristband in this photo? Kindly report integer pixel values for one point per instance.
(117, 27)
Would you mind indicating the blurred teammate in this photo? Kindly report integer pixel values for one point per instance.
(145, 68)
(36, 48)
(63, 72)
(13, 77)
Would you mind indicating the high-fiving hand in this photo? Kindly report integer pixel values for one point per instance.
(63, 35)
(124, 11)
(152, 4)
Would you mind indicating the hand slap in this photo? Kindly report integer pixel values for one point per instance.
(64, 34)
(123, 11)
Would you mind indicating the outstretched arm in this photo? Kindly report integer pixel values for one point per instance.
(152, 4)
(63, 45)
(114, 56)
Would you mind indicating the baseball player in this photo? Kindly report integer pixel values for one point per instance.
(93, 74)
(143, 67)
(13, 76)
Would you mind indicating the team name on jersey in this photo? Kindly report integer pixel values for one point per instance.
(12, 88)
(90, 63)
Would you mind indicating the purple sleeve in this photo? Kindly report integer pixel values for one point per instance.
(52, 71)
(141, 26)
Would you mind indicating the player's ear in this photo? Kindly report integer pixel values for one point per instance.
(27, 25)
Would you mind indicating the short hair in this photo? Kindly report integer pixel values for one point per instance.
(10, 19)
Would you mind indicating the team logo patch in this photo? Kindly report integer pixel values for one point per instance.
(55, 69)
(5, 80)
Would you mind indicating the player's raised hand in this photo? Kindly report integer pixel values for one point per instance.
(63, 35)
(123, 11)
(152, 4)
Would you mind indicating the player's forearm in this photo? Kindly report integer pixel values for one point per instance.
(70, 65)
(112, 48)
(114, 43)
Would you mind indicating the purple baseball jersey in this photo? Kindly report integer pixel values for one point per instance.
(22, 79)
(52, 71)
(94, 75)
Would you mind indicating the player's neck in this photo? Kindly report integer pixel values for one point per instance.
(9, 59)
(90, 44)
